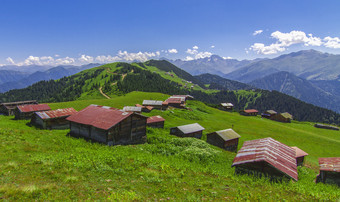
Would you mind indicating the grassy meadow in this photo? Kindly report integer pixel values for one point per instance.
(48, 165)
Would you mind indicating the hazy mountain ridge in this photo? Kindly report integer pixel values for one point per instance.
(10, 75)
(300, 88)
(219, 83)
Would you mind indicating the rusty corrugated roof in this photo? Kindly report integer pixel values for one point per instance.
(330, 164)
(99, 116)
(299, 152)
(34, 108)
(174, 100)
(250, 111)
(154, 119)
(278, 155)
(132, 109)
(56, 113)
(152, 102)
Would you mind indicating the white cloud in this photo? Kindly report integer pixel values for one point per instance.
(196, 54)
(191, 51)
(188, 58)
(257, 32)
(56, 55)
(173, 50)
(10, 61)
(332, 42)
(284, 40)
(212, 46)
(195, 47)
(65, 61)
(85, 59)
(227, 58)
(140, 56)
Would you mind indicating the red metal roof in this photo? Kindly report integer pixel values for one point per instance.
(278, 155)
(251, 111)
(299, 152)
(34, 108)
(174, 100)
(99, 116)
(56, 113)
(154, 119)
(330, 164)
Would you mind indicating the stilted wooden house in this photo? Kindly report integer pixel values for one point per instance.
(26, 111)
(269, 114)
(329, 170)
(187, 97)
(191, 130)
(8, 108)
(299, 155)
(317, 125)
(155, 122)
(132, 109)
(178, 102)
(145, 108)
(108, 125)
(227, 106)
(226, 139)
(155, 104)
(249, 112)
(54, 119)
(283, 117)
(266, 157)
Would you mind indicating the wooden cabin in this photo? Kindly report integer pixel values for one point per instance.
(299, 155)
(266, 157)
(329, 170)
(133, 109)
(108, 125)
(249, 112)
(155, 122)
(155, 104)
(187, 97)
(191, 130)
(226, 139)
(283, 117)
(268, 114)
(8, 108)
(227, 106)
(178, 102)
(317, 125)
(26, 111)
(54, 119)
(145, 108)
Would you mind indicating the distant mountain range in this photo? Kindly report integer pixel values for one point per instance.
(219, 83)
(15, 80)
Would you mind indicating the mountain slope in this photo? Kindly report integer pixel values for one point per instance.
(9, 75)
(307, 64)
(53, 73)
(217, 82)
(302, 89)
(117, 79)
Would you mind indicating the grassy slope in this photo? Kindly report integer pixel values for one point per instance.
(42, 164)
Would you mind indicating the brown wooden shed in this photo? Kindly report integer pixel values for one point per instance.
(226, 106)
(108, 125)
(249, 112)
(54, 119)
(226, 139)
(317, 125)
(300, 156)
(268, 114)
(155, 104)
(26, 111)
(283, 117)
(191, 130)
(155, 122)
(8, 108)
(329, 170)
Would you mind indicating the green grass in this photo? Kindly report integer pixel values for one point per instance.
(48, 165)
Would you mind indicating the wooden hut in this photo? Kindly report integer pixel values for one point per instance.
(145, 108)
(268, 114)
(283, 117)
(26, 111)
(299, 155)
(317, 125)
(266, 156)
(132, 109)
(190, 130)
(187, 97)
(227, 106)
(249, 112)
(8, 108)
(55, 119)
(226, 139)
(108, 125)
(178, 102)
(155, 122)
(155, 104)
(329, 170)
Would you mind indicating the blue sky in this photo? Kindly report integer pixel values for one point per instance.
(76, 32)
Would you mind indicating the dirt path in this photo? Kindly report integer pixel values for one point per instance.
(101, 92)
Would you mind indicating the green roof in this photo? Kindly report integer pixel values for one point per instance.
(228, 134)
(287, 115)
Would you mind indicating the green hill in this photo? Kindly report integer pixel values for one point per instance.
(48, 165)
(116, 79)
